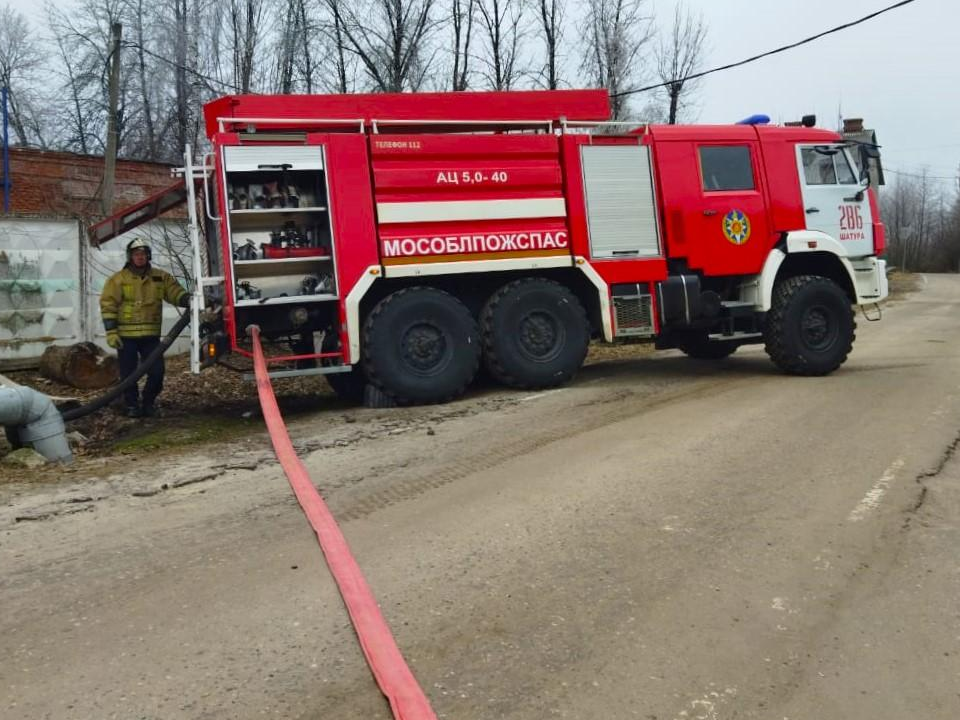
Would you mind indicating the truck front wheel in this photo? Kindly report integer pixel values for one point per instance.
(421, 345)
(810, 326)
(535, 333)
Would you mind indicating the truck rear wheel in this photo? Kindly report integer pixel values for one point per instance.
(701, 347)
(535, 333)
(421, 345)
(810, 326)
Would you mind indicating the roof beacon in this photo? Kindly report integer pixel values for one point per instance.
(755, 120)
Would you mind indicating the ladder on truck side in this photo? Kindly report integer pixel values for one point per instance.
(199, 175)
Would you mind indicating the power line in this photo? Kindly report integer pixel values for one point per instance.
(910, 159)
(195, 73)
(953, 178)
(782, 48)
(939, 146)
(932, 171)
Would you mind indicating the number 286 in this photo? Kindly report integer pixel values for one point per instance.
(850, 218)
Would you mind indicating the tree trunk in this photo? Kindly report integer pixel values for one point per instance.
(674, 91)
(83, 366)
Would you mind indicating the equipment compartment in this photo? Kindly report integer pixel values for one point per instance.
(280, 240)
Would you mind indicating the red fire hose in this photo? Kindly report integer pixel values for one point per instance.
(392, 674)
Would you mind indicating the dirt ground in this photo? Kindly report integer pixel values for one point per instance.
(661, 538)
(218, 404)
(220, 399)
(902, 283)
(197, 410)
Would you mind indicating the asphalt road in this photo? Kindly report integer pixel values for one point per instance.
(663, 539)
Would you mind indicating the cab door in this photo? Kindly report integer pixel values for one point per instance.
(834, 202)
(728, 219)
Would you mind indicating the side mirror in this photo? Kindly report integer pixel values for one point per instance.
(865, 164)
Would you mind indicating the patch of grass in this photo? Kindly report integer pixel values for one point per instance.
(902, 283)
(185, 431)
(602, 352)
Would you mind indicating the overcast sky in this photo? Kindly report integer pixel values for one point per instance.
(899, 71)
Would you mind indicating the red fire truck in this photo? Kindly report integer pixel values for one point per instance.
(397, 242)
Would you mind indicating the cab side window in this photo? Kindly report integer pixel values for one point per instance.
(844, 171)
(826, 167)
(726, 167)
(818, 167)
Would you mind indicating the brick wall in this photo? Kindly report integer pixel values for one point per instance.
(60, 184)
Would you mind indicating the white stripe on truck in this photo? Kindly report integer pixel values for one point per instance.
(452, 210)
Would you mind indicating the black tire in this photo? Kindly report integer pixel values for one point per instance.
(701, 347)
(421, 345)
(810, 326)
(348, 386)
(374, 397)
(535, 334)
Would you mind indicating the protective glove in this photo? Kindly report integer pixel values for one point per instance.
(184, 300)
(113, 339)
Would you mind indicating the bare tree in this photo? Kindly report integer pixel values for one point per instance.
(680, 55)
(337, 41)
(502, 22)
(295, 47)
(236, 32)
(462, 13)
(246, 17)
(305, 55)
(84, 42)
(167, 86)
(20, 60)
(915, 243)
(78, 135)
(616, 35)
(148, 84)
(953, 253)
(895, 209)
(389, 38)
(551, 16)
(287, 46)
(922, 218)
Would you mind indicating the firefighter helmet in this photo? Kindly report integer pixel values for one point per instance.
(137, 244)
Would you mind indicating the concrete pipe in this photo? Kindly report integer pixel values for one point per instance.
(37, 421)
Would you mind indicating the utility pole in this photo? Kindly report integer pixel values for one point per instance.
(6, 153)
(110, 161)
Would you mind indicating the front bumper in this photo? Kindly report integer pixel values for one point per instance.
(870, 276)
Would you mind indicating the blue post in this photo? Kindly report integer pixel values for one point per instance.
(6, 154)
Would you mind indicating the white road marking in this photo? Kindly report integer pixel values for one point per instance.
(924, 279)
(871, 501)
(705, 708)
(942, 409)
(782, 604)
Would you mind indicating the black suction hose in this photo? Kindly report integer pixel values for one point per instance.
(114, 392)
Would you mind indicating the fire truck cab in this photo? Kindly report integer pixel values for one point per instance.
(397, 242)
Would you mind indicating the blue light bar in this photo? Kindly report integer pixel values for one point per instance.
(755, 120)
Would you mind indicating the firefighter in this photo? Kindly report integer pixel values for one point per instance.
(131, 306)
